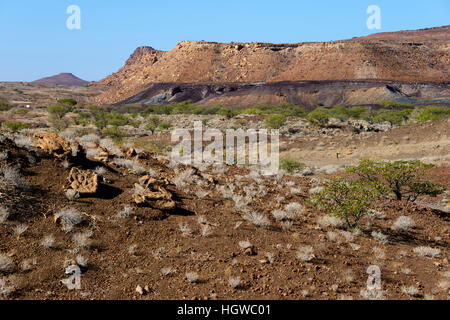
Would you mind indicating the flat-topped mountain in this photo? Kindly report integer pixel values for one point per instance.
(411, 56)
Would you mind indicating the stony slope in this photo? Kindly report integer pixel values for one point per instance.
(355, 59)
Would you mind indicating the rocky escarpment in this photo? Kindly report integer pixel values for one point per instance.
(212, 63)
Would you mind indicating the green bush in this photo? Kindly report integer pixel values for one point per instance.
(349, 200)
(165, 125)
(339, 112)
(226, 112)
(395, 117)
(431, 114)
(404, 179)
(275, 121)
(22, 112)
(318, 116)
(67, 102)
(152, 123)
(4, 106)
(290, 166)
(358, 113)
(115, 133)
(57, 113)
(15, 126)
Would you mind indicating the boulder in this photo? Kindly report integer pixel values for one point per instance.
(153, 192)
(53, 144)
(83, 181)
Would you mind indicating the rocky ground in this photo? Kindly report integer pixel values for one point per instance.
(38, 94)
(211, 232)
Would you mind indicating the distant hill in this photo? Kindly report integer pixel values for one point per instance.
(65, 79)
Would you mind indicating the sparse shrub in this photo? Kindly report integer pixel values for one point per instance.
(4, 214)
(185, 230)
(23, 142)
(331, 236)
(72, 194)
(15, 126)
(4, 289)
(20, 229)
(192, 277)
(166, 271)
(234, 282)
(402, 178)
(410, 291)
(290, 166)
(287, 225)
(130, 164)
(245, 244)
(327, 221)
(82, 239)
(258, 219)
(126, 212)
(205, 230)
(48, 241)
(379, 253)
(427, 251)
(349, 200)
(305, 253)
(6, 264)
(294, 209)
(12, 177)
(380, 237)
(4, 155)
(82, 261)
(70, 217)
(403, 223)
(279, 215)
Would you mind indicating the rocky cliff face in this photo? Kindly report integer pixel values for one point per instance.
(355, 59)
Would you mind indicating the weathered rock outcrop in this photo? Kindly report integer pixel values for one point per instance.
(83, 181)
(52, 144)
(153, 192)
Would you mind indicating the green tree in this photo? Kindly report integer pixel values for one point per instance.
(318, 116)
(57, 113)
(404, 179)
(152, 123)
(349, 200)
(275, 121)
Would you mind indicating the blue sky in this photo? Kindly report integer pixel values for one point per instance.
(36, 42)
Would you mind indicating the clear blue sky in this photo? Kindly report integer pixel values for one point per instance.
(36, 42)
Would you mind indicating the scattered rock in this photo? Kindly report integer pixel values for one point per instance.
(151, 191)
(52, 144)
(83, 181)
